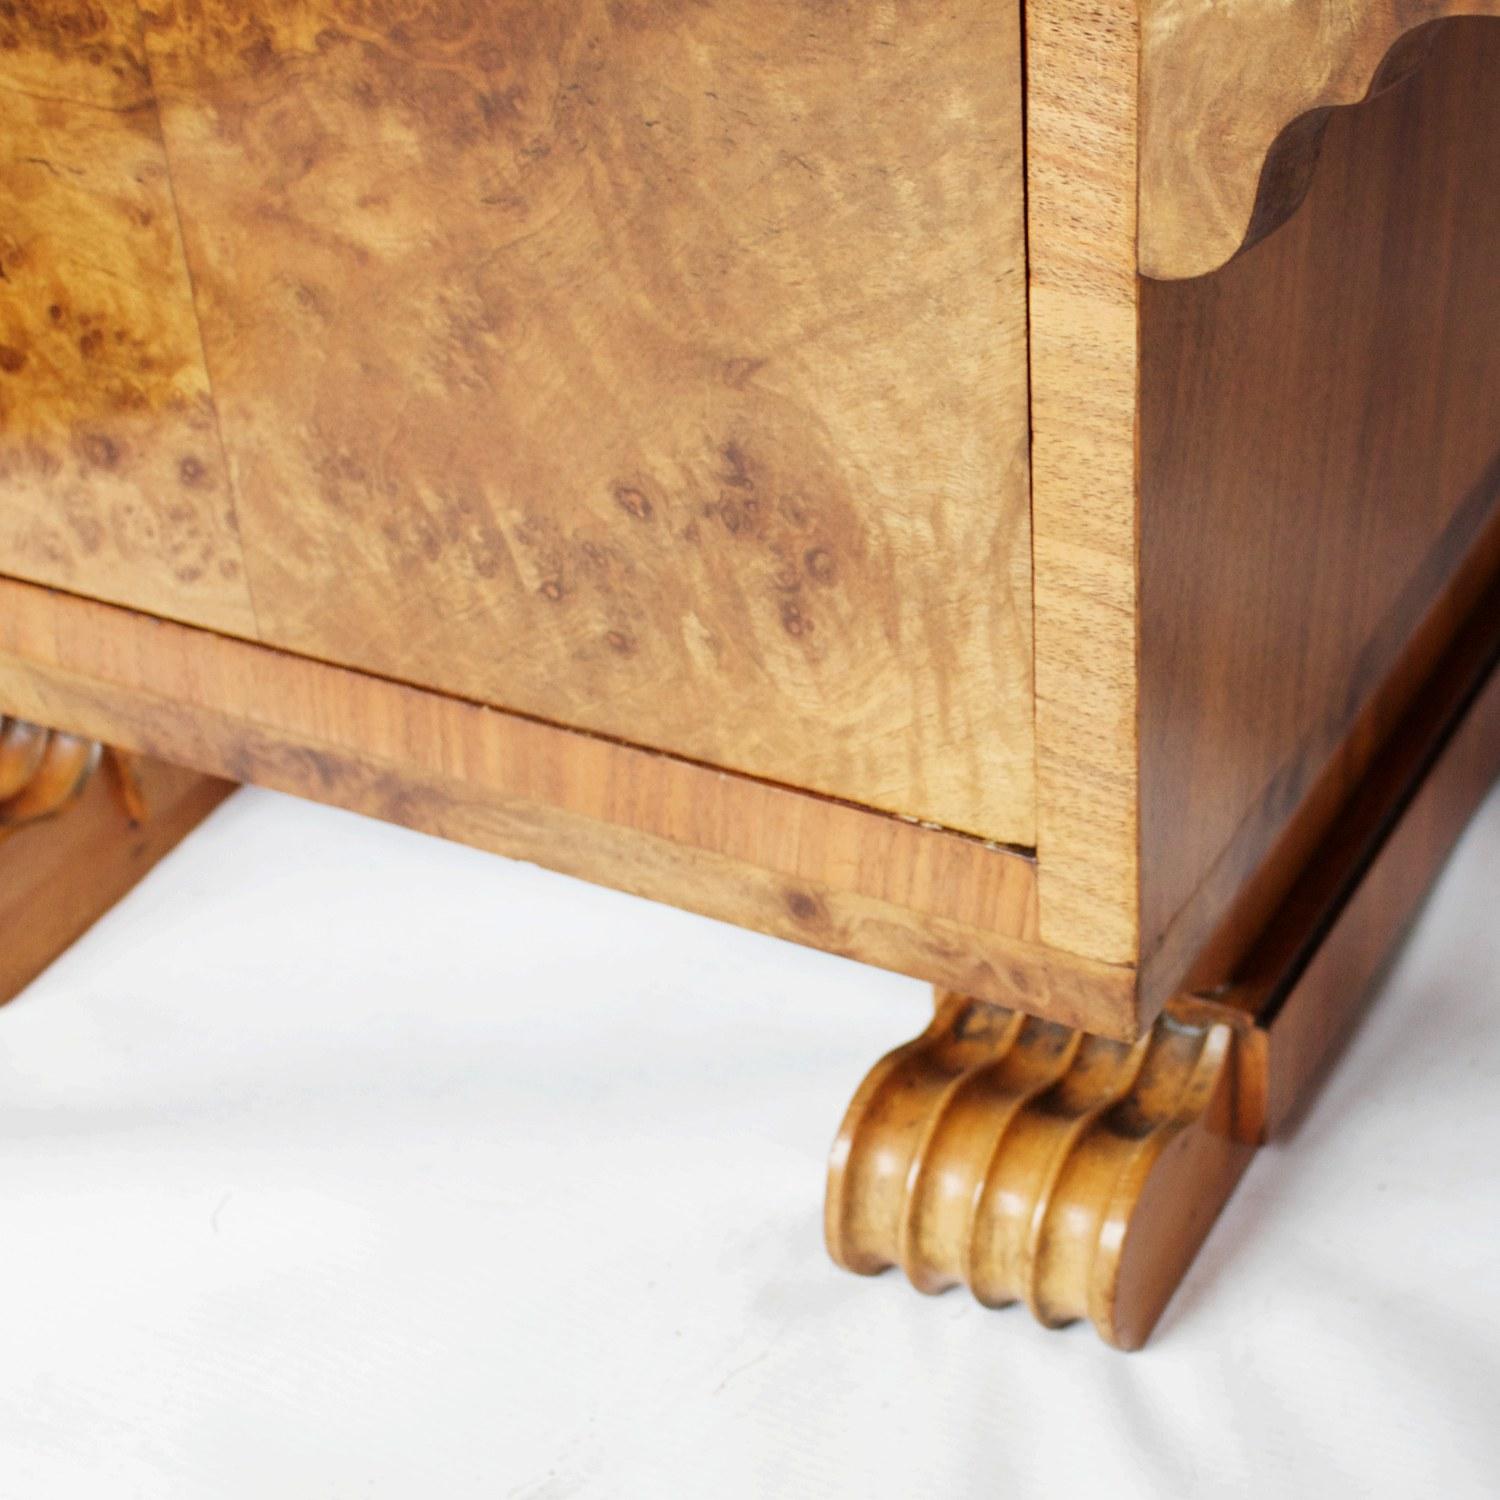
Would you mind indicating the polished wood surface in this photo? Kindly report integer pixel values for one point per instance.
(60, 873)
(41, 772)
(886, 890)
(1034, 1163)
(112, 477)
(1082, 67)
(1232, 100)
(655, 370)
(635, 399)
(1309, 502)
(1307, 1028)
(1308, 975)
(1129, 408)
(747, 453)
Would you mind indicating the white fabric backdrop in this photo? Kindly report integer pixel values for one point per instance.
(340, 1161)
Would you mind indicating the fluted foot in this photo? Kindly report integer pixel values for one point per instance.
(1036, 1163)
(41, 771)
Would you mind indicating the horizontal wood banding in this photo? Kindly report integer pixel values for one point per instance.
(896, 894)
(1298, 992)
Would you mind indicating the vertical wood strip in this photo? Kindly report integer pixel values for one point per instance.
(1082, 63)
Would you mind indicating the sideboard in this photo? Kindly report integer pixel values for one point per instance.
(1007, 494)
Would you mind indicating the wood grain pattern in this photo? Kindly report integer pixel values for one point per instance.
(1307, 1029)
(654, 368)
(889, 891)
(60, 875)
(1285, 581)
(1221, 85)
(1028, 1161)
(112, 479)
(1081, 149)
(1307, 978)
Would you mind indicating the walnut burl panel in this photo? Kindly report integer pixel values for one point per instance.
(652, 368)
(112, 482)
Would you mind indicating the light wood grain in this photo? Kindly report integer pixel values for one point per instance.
(1221, 84)
(112, 479)
(658, 369)
(1081, 122)
(889, 891)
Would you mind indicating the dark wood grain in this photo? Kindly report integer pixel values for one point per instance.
(59, 876)
(1320, 456)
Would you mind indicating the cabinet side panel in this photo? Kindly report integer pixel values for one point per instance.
(654, 368)
(1320, 462)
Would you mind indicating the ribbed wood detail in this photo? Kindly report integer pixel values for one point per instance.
(41, 771)
(1033, 1162)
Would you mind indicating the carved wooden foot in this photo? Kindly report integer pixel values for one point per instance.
(79, 825)
(41, 771)
(1036, 1163)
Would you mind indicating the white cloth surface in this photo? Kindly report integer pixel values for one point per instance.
(339, 1161)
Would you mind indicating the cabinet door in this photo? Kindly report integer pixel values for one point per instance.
(654, 367)
(112, 481)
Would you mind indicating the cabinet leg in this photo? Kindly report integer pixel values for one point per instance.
(1031, 1162)
(41, 771)
(79, 825)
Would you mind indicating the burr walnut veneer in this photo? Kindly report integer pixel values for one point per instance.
(1010, 494)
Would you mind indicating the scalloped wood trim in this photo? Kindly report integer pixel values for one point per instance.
(1226, 144)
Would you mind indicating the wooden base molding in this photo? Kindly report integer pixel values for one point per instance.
(923, 901)
(79, 826)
